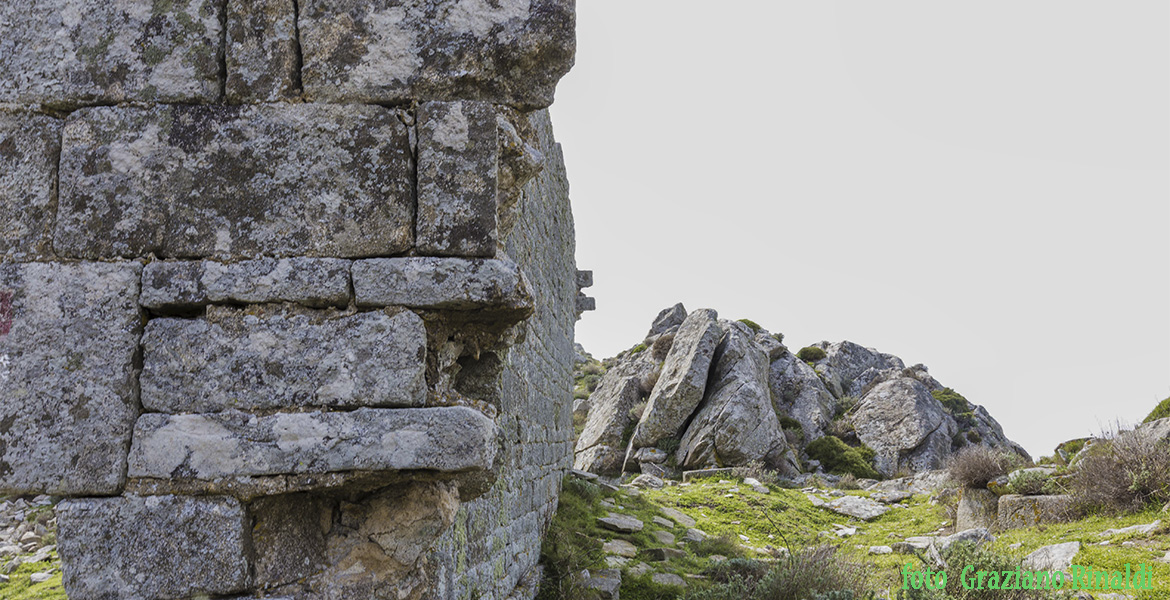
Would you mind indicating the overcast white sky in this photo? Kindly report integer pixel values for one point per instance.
(983, 187)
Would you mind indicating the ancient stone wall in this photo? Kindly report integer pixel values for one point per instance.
(287, 292)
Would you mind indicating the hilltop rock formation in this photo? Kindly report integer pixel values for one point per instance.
(707, 392)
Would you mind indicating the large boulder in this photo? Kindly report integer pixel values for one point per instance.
(683, 379)
(904, 425)
(978, 507)
(1026, 511)
(601, 447)
(668, 319)
(846, 361)
(798, 392)
(736, 423)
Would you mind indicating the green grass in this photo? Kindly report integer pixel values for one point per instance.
(1160, 412)
(20, 588)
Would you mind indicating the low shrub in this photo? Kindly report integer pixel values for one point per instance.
(812, 573)
(839, 458)
(1126, 472)
(1031, 483)
(952, 401)
(1161, 411)
(957, 557)
(790, 423)
(751, 324)
(757, 470)
(848, 482)
(974, 466)
(669, 445)
(638, 348)
(723, 545)
(811, 354)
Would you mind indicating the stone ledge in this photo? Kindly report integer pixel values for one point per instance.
(153, 547)
(187, 285)
(235, 182)
(212, 447)
(270, 357)
(441, 283)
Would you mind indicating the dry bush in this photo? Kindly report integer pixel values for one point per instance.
(974, 466)
(848, 482)
(1127, 472)
(757, 470)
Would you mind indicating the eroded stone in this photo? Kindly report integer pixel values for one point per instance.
(458, 167)
(440, 283)
(68, 338)
(230, 444)
(511, 51)
(261, 51)
(67, 53)
(184, 285)
(29, 145)
(269, 357)
(231, 181)
(153, 546)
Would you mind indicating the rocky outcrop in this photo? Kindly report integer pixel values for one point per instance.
(729, 393)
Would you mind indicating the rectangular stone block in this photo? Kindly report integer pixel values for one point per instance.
(458, 164)
(232, 181)
(68, 341)
(262, 51)
(509, 51)
(29, 147)
(152, 547)
(267, 357)
(440, 283)
(210, 447)
(181, 285)
(67, 53)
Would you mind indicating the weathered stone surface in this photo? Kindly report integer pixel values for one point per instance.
(1145, 529)
(678, 516)
(620, 548)
(978, 507)
(684, 377)
(182, 285)
(606, 583)
(736, 423)
(231, 181)
(667, 319)
(234, 444)
(904, 425)
(857, 507)
(798, 392)
(1024, 511)
(600, 447)
(66, 53)
(29, 146)
(620, 523)
(1057, 557)
(68, 338)
(288, 535)
(440, 283)
(153, 546)
(1154, 431)
(458, 158)
(977, 536)
(261, 53)
(512, 52)
(270, 357)
(846, 361)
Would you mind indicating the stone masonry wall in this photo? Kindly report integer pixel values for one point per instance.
(287, 292)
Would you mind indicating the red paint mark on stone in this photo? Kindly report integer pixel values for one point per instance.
(5, 313)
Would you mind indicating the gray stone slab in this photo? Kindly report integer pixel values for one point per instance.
(268, 357)
(458, 167)
(68, 339)
(440, 283)
(261, 52)
(229, 444)
(152, 546)
(511, 51)
(29, 146)
(232, 181)
(68, 53)
(184, 285)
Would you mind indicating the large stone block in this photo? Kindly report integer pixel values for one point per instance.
(458, 166)
(261, 51)
(508, 51)
(268, 357)
(229, 444)
(440, 283)
(68, 53)
(153, 547)
(68, 340)
(29, 147)
(1025, 511)
(232, 181)
(185, 285)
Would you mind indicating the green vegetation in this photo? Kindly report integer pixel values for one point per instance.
(1160, 412)
(1032, 483)
(639, 348)
(20, 587)
(1125, 473)
(751, 324)
(816, 573)
(811, 354)
(839, 458)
